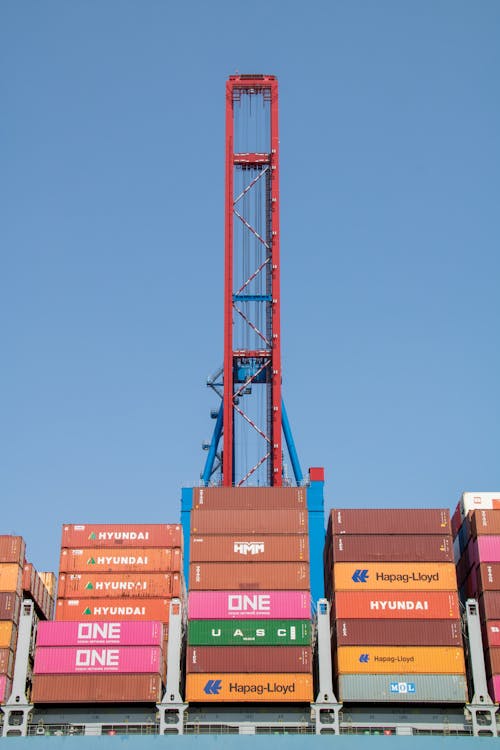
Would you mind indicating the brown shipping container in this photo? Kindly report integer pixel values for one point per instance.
(399, 605)
(390, 521)
(492, 661)
(10, 605)
(398, 632)
(123, 560)
(96, 536)
(107, 610)
(489, 605)
(96, 688)
(375, 548)
(12, 549)
(205, 576)
(8, 635)
(7, 661)
(249, 498)
(250, 688)
(249, 548)
(485, 522)
(248, 659)
(488, 576)
(11, 578)
(93, 585)
(249, 522)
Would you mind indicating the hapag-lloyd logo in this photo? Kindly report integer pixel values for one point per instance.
(248, 548)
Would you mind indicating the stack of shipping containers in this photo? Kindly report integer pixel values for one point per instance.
(249, 636)
(476, 528)
(115, 587)
(391, 579)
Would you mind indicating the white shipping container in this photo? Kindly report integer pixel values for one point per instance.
(479, 500)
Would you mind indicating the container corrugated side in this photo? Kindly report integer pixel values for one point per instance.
(485, 522)
(479, 501)
(123, 560)
(100, 633)
(350, 632)
(272, 605)
(488, 576)
(210, 576)
(96, 585)
(106, 610)
(249, 632)
(494, 688)
(256, 659)
(11, 577)
(491, 633)
(404, 605)
(485, 549)
(249, 548)
(49, 580)
(390, 521)
(12, 549)
(249, 688)
(394, 576)
(402, 688)
(96, 688)
(5, 688)
(392, 659)
(95, 536)
(392, 548)
(10, 606)
(489, 605)
(492, 660)
(98, 660)
(6, 661)
(249, 498)
(8, 634)
(221, 522)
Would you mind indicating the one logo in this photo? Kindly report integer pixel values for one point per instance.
(249, 548)
(364, 658)
(360, 576)
(91, 561)
(213, 687)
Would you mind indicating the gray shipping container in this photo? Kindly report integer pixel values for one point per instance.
(403, 688)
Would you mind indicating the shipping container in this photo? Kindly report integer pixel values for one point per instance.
(10, 605)
(94, 585)
(139, 535)
(8, 634)
(254, 659)
(11, 577)
(6, 661)
(90, 633)
(394, 576)
(109, 610)
(221, 522)
(479, 501)
(12, 549)
(390, 521)
(49, 581)
(96, 688)
(98, 659)
(392, 659)
(5, 688)
(249, 688)
(491, 633)
(402, 688)
(249, 632)
(288, 576)
(123, 560)
(492, 660)
(485, 522)
(494, 688)
(249, 498)
(401, 605)
(376, 548)
(489, 605)
(484, 549)
(272, 605)
(249, 548)
(398, 632)
(487, 577)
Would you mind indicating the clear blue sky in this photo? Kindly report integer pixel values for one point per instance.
(111, 242)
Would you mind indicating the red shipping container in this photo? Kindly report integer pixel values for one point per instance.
(249, 548)
(88, 585)
(492, 661)
(123, 560)
(398, 632)
(248, 522)
(207, 576)
(489, 605)
(12, 549)
(96, 688)
(112, 610)
(96, 536)
(485, 522)
(249, 498)
(10, 604)
(404, 605)
(488, 577)
(404, 548)
(491, 634)
(390, 521)
(260, 659)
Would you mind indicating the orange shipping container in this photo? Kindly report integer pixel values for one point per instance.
(209, 576)
(404, 605)
(88, 585)
(403, 659)
(249, 548)
(96, 536)
(8, 635)
(249, 522)
(49, 581)
(106, 610)
(125, 559)
(249, 688)
(6, 661)
(249, 498)
(11, 577)
(394, 576)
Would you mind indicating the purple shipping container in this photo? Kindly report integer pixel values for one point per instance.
(67, 633)
(485, 549)
(210, 605)
(101, 659)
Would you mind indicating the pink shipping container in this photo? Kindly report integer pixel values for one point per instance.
(249, 548)
(485, 549)
(100, 633)
(97, 659)
(5, 688)
(268, 605)
(248, 522)
(390, 521)
(249, 498)
(96, 536)
(494, 688)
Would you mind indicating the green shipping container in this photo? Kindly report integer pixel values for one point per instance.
(249, 632)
